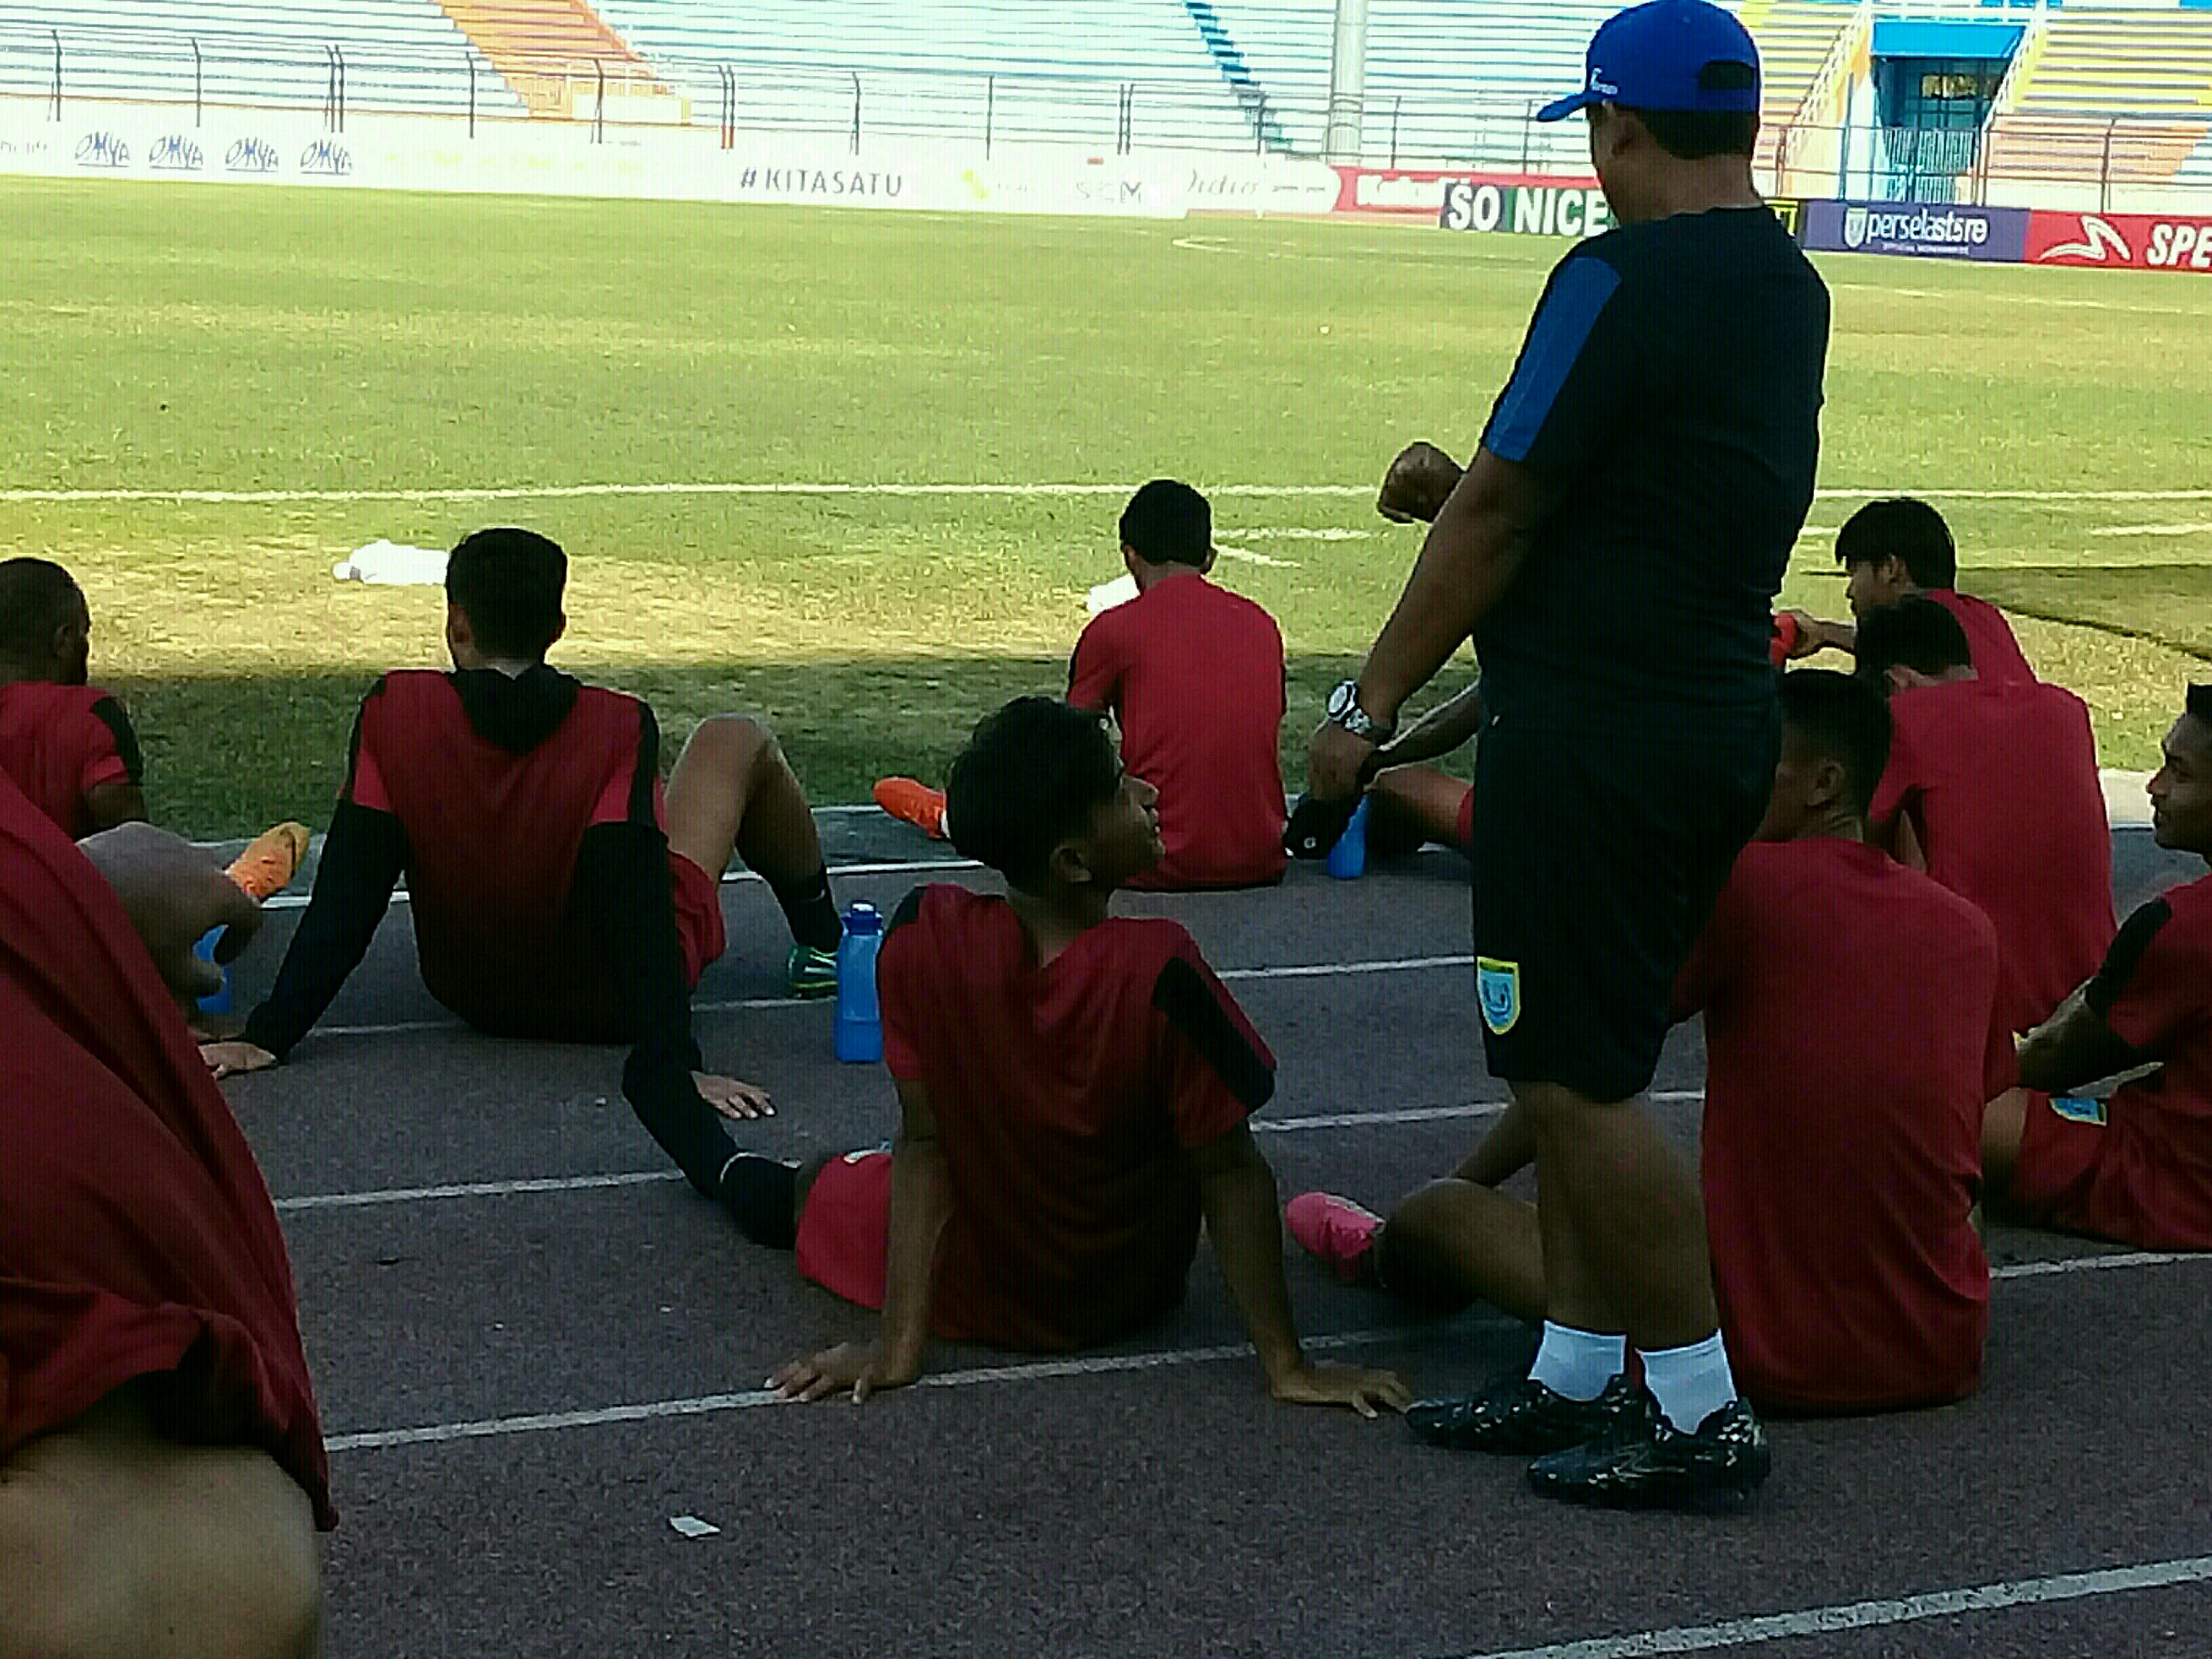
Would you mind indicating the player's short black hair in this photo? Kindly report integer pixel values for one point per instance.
(1030, 776)
(37, 596)
(1168, 522)
(1694, 135)
(1914, 633)
(1901, 528)
(2200, 703)
(1843, 719)
(508, 584)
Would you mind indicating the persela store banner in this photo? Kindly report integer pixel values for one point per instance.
(1932, 230)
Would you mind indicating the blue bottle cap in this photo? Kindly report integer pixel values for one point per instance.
(864, 918)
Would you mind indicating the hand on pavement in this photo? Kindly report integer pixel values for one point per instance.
(1343, 1385)
(733, 1098)
(235, 1059)
(859, 1367)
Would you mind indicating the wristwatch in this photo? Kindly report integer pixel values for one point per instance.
(1343, 710)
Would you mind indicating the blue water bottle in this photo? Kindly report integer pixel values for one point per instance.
(220, 1002)
(1347, 859)
(860, 1022)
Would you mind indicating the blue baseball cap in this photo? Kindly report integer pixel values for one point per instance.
(1652, 56)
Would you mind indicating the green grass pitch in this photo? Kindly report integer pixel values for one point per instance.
(356, 346)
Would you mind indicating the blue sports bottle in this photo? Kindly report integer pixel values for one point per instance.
(860, 1022)
(1347, 859)
(220, 1002)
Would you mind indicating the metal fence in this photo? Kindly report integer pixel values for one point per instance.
(2094, 160)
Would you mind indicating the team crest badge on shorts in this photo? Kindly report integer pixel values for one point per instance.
(2077, 1109)
(1498, 985)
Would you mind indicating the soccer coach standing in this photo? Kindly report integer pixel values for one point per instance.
(1614, 549)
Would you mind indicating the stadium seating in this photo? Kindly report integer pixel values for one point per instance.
(551, 51)
(1031, 70)
(2123, 94)
(399, 54)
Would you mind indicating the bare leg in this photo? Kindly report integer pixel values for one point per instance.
(1452, 1241)
(2004, 1126)
(117, 1544)
(733, 791)
(1412, 806)
(1623, 1222)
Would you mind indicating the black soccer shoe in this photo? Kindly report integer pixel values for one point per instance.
(1645, 1462)
(1520, 1417)
(1317, 826)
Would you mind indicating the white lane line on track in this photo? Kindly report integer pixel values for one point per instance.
(570, 492)
(701, 1405)
(1695, 1639)
(1279, 1125)
(1302, 971)
(1872, 1616)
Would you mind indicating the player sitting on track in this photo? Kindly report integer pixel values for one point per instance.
(2137, 1169)
(1992, 789)
(1073, 1091)
(1897, 548)
(162, 1470)
(1195, 675)
(1851, 1043)
(555, 895)
(68, 746)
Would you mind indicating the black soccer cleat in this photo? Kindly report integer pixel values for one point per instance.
(1645, 1462)
(1520, 1417)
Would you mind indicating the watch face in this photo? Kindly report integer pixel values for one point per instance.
(1340, 700)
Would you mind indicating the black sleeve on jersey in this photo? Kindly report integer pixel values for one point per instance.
(110, 715)
(623, 882)
(1182, 994)
(362, 859)
(2126, 956)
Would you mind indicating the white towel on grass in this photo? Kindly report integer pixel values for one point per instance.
(387, 564)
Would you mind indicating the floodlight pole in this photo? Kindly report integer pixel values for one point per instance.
(1348, 82)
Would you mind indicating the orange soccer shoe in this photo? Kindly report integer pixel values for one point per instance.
(270, 860)
(913, 802)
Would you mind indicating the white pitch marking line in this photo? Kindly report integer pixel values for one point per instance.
(749, 1399)
(571, 492)
(1245, 556)
(1872, 1615)
(1302, 971)
(2151, 530)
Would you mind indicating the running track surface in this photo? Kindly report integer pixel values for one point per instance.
(524, 1388)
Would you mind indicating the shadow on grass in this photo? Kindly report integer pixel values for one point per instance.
(2165, 605)
(225, 755)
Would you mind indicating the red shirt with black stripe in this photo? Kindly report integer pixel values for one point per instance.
(1997, 652)
(137, 1237)
(2152, 1185)
(1195, 675)
(1999, 780)
(59, 742)
(494, 818)
(1851, 1043)
(1066, 1096)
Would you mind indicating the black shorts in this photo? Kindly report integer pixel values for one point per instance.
(1597, 859)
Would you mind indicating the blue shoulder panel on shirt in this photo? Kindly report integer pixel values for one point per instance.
(1562, 328)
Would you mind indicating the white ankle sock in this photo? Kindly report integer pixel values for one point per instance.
(1690, 1383)
(1577, 1364)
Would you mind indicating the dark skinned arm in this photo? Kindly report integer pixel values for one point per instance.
(107, 805)
(1237, 1190)
(2072, 1048)
(1443, 729)
(921, 1208)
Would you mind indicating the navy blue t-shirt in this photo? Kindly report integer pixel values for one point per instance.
(1669, 393)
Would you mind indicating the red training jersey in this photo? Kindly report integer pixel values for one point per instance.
(59, 742)
(2151, 1186)
(1066, 1097)
(1996, 652)
(493, 829)
(1195, 675)
(1999, 780)
(136, 1239)
(1851, 1045)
